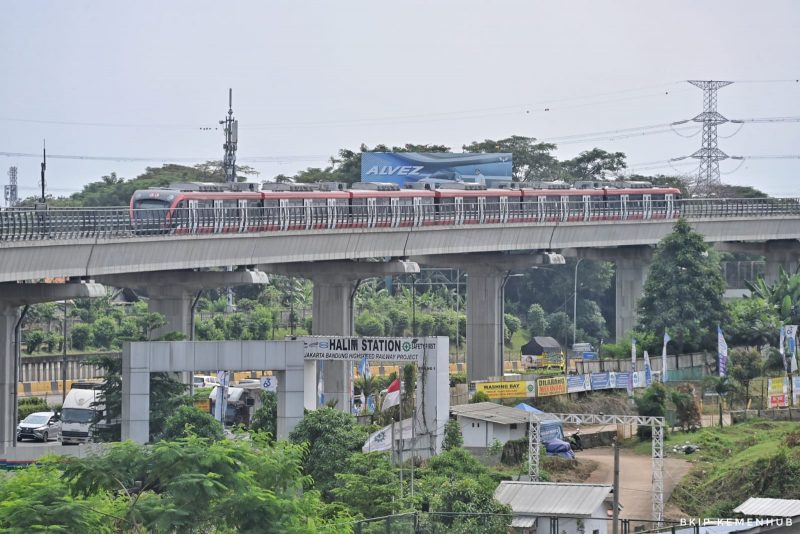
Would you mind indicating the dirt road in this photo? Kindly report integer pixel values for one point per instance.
(635, 479)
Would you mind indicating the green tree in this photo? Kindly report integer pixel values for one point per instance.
(683, 292)
(687, 409)
(331, 437)
(197, 485)
(190, 420)
(652, 403)
(369, 325)
(479, 396)
(265, 419)
(452, 436)
(746, 364)
(33, 341)
(368, 484)
(38, 499)
(537, 320)
(753, 322)
(104, 331)
(511, 325)
(532, 161)
(595, 164)
(722, 386)
(81, 335)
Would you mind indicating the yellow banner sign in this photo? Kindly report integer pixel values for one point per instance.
(551, 386)
(507, 390)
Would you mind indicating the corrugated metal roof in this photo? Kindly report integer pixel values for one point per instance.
(547, 499)
(762, 507)
(496, 413)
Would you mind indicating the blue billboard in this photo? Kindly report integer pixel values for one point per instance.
(435, 167)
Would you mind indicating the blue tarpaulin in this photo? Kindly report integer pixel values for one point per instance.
(550, 428)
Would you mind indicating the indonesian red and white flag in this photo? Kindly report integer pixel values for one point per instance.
(392, 395)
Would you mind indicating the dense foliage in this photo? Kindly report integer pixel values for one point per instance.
(683, 292)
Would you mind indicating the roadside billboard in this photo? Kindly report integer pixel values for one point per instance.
(600, 381)
(576, 383)
(515, 389)
(778, 392)
(408, 167)
(796, 391)
(551, 386)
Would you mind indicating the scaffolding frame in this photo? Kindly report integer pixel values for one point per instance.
(657, 449)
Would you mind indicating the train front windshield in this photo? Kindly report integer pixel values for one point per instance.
(150, 204)
(150, 214)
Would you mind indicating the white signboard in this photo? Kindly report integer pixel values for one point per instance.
(269, 383)
(390, 349)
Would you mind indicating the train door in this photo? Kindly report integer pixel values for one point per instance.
(394, 210)
(459, 210)
(564, 207)
(669, 199)
(587, 207)
(542, 208)
(243, 215)
(332, 213)
(192, 218)
(372, 212)
(503, 209)
(623, 206)
(417, 204)
(308, 213)
(481, 210)
(647, 207)
(283, 214)
(219, 215)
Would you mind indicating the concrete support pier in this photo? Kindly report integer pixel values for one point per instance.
(484, 322)
(632, 268)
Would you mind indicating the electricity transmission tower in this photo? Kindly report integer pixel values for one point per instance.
(709, 154)
(11, 189)
(231, 139)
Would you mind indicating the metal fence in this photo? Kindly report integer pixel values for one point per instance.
(28, 224)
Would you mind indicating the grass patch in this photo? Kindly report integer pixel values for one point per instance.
(757, 458)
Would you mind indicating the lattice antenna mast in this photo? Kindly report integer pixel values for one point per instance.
(231, 140)
(44, 168)
(11, 189)
(709, 154)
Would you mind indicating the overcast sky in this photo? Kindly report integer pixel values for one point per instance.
(138, 80)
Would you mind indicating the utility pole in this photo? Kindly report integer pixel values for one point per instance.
(11, 189)
(709, 154)
(615, 513)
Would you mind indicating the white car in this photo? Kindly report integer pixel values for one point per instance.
(40, 425)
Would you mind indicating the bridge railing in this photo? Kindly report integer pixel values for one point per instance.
(26, 224)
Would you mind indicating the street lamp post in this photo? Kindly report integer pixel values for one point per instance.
(503, 317)
(575, 302)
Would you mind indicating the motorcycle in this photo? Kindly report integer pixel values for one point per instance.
(575, 442)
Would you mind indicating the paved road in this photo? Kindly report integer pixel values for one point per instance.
(635, 479)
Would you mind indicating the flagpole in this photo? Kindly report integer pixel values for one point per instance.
(401, 439)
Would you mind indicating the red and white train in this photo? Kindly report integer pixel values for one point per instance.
(249, 207)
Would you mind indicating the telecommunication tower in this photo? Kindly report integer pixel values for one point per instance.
(11, 189)
(231, 140)
(709, 154)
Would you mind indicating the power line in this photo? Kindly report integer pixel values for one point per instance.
(199, 159)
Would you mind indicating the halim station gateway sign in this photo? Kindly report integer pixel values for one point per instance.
(410, 349)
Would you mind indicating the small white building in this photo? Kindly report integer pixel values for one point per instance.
(540, 507)
(483, 422)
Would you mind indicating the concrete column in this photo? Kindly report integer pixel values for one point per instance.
(333, 316)
(290, 391)
(484, 323)
(776, 259)
(135, 395)
(175, 304)
(8, 378)
(632, 269)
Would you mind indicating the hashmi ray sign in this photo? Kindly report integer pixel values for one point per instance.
(390, 349)
(435, 167)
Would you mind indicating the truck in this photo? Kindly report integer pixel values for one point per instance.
(78, 412)
(543, 354)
